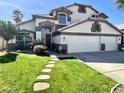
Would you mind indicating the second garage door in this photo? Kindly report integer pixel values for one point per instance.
(110, 43)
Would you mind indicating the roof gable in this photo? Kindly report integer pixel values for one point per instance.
(78, 4)
(89, 19)
(24, 22)
(60, 9)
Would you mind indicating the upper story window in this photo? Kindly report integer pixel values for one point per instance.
(62, 17)
(96, 27)
(82, 9)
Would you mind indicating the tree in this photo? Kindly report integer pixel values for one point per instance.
(17, 16)
(120, 4)
(7, 31)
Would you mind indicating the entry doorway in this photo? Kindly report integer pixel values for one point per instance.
(48, 40)
(46, 35)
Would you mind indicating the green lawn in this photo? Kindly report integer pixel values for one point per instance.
(68, 76)
(19, 71)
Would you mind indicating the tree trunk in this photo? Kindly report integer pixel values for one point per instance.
(3, 45)
(7, 46)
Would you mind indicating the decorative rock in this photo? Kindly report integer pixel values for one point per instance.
(41, 86)
(50, 65)
(47, 70)
(52, 62)
(43, 77)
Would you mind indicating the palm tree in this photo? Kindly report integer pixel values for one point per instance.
(17, 16)
(120, 4)
(7, 31)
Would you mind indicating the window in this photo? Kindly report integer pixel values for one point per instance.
(62, 18)
(93, 15)
(82, 9)
(46, 29)
(96, 27)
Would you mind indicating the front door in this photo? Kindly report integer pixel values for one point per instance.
(48, 40)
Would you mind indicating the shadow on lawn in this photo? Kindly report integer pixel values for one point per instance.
(10, 57)
(63, 58)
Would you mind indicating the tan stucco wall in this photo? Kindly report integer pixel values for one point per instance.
(1, 42)
(76, 16)
(39, 20)
(28, 26)
(86, 28)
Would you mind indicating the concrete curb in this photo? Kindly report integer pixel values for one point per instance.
(112, 89)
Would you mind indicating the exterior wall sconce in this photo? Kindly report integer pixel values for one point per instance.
(64, 38)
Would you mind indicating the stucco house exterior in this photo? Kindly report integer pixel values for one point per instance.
(10, 45)
(1, 44)
(74, 28)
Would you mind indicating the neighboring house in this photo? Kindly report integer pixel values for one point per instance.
(2, 44)
(121, 27)
(74, 28)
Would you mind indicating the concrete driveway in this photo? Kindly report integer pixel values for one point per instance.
(110, 64)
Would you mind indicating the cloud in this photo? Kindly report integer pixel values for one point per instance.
(8, 4)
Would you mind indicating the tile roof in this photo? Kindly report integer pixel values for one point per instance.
(120, 26)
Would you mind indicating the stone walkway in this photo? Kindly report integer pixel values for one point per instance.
(45, 75)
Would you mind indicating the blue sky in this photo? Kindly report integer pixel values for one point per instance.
(29, 7)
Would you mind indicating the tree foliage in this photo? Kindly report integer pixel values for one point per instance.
(17, 16)
(7, 30)
(120, 4)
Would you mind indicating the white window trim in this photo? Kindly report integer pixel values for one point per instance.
(66, 18)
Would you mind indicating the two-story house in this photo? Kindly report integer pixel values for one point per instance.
(74, 28)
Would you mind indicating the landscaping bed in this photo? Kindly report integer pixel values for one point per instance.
(18, 72)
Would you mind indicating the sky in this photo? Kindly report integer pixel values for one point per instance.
(29, 7)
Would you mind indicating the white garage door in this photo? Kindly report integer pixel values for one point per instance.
(110, 43)
(83, 44)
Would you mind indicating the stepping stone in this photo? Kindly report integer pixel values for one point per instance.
(52, 62)
(53, 56)
(43, 77)
(41, 86)
(54, 59)
(47, 70)
(50, 65)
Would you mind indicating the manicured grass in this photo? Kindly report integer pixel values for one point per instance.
(69, 76)
(72, 76)
(19, 71)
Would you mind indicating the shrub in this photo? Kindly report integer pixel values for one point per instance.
(40, 50)
(20, 46)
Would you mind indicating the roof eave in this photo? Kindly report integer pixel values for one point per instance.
(89, 19)
(52, 11)
(23, 22)
(37, 16)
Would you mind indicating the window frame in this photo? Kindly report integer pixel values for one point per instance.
(46, 27)
(65, 20)
(82, 9)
